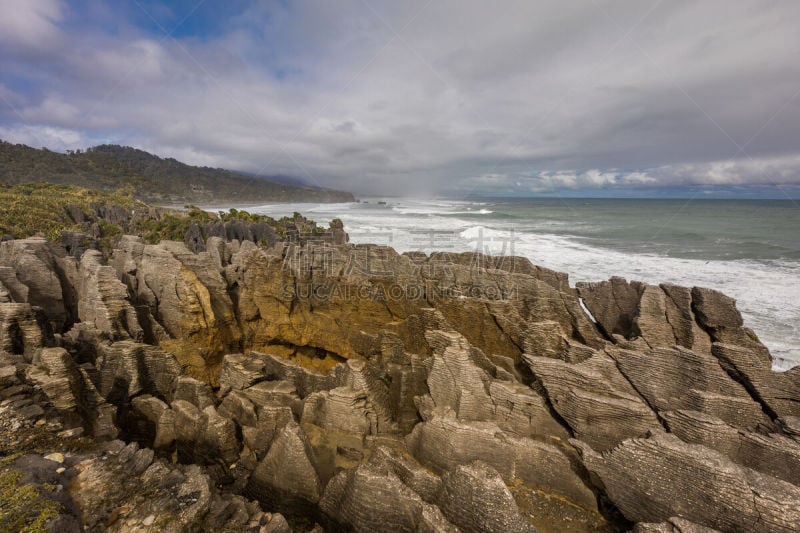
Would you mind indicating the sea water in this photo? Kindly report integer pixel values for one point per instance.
(748, 249)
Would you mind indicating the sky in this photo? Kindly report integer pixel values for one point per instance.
(505, 98)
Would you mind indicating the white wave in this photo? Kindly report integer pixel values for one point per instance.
(767, 294)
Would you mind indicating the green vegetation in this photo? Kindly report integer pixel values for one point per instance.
(41, 208)
(23, 508)
(147, 177)
(236, 214)
(49, 210)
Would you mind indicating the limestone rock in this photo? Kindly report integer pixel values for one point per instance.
(372, 498)
(340, 409)
(613, 304)
(455, 381)
(411, 473)
(286, 478)
(358, 387)
(188, 422)
(20, 330)
(443, 443)
(717, 314)
(304, 381)
(681, 317)
(165, 434)
(520, 411)
(773, 454)
(677, 378)
(194, 391)
(661, 315)
(369, 378)
(271, 420)
(673, 525)
(123, 490)
(274, 393)
(778, 392)
(187, 295)
(103, 300)
(219, 437)
(545, 339)
(653, 479)
(71, 390)
(5, 297)
(238, 408)
(554, 470)
(475, 499)
(595, 399)
(240, 371)
(276, 524)
(32, 272)
(127, 368)
(203, 436)
(146, 411)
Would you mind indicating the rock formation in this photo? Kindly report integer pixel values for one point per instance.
(290, 385)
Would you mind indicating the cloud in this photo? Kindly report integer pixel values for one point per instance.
(777, 171)
(30, 24)
(53, 110)
(419, 97)
(58, 139)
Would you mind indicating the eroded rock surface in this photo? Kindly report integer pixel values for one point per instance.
(345, 387)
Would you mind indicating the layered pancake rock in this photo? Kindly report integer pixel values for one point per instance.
(354, 387)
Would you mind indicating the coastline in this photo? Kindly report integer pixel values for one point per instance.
(764, 289)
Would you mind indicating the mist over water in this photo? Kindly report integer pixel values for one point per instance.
(748, 249)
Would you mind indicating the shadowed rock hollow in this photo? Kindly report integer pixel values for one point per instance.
(357, 388)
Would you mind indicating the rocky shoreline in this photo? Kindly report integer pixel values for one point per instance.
(329, 386)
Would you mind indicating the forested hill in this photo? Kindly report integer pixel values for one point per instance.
(152, 178)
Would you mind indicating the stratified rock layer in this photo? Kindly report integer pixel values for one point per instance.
(361, 389)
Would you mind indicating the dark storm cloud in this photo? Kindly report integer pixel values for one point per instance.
(424, 97)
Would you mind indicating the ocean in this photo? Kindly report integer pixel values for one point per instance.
(748, 249)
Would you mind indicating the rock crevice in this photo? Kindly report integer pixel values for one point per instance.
(362, 389)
